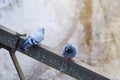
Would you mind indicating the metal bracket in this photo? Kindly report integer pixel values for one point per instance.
(13, 56)
(14, 59)
(17, 41)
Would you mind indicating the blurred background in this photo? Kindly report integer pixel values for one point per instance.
(91, 25)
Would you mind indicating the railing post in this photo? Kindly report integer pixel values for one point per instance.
(14, 59)
(13, 56)
(17, 66)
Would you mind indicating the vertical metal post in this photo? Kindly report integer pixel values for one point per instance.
(14, 59)
(17, 66)
(13, 56)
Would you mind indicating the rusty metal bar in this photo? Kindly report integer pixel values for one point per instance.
(15, 61)
(17, 66)
(46, 56)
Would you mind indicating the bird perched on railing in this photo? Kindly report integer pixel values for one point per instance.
(69, 52)
(33, 39)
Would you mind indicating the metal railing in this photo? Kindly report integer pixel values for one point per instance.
(42, 53)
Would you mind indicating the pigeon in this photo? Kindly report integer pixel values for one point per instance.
(33, 39)
(69, 52)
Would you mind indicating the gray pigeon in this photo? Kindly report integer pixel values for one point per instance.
(69, 52)
(33, 39)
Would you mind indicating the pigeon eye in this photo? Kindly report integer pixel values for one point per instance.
(68, 50)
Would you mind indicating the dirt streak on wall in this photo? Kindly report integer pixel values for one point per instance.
(85, 19)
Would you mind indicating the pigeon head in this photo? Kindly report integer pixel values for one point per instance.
(68, 48)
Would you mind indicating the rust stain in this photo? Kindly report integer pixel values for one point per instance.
(85, 19)
(113, 38)
(115, 43)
